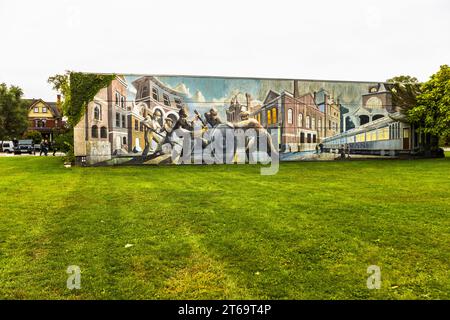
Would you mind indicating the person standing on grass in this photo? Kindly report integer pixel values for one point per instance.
(46, 147)
(41, 148)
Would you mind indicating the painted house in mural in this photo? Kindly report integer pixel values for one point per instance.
(45, 117)
(306, 114)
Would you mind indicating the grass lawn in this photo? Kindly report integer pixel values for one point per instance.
(225, 232)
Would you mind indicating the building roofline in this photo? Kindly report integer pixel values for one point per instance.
(51, 105)
(241, 77)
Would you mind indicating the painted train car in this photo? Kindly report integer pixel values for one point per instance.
(389, 135)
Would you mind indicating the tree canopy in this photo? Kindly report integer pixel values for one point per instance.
(432, 108)
(405, 90)
(13, 112)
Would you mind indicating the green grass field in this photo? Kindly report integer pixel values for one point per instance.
(225, 232)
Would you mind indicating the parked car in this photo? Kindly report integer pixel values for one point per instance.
(7, 146)
(24, 146)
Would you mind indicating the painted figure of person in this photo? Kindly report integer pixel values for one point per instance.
(347, 150)
(212, 117)
(151, 129)
(186, 125)
(183, 121)
(250, 123)
(342, 151)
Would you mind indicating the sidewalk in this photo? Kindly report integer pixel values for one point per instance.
(50, 154)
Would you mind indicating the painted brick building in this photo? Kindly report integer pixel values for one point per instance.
(301, 122)
(103, 129)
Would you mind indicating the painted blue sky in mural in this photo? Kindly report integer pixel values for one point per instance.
(207, 89)
(205, 92)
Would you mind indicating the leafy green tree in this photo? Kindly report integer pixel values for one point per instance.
(405, 90)
(403, 79)
(432, 110)
(33, 135)
(13, 112)
(64, 141)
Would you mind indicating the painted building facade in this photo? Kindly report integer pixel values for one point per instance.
(303, 122)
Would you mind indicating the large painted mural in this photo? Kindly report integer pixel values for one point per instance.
(154, 119)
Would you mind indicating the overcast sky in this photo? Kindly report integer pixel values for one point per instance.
(315, 39)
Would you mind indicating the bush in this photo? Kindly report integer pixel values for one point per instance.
(64, 143)
(33, 135)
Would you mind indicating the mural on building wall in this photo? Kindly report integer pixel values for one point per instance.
(134, 120)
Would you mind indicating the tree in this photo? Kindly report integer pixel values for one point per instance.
(64, 141)
(404, 90)
(13, 112)
(403, 79)
(432, 110)
(33, 135)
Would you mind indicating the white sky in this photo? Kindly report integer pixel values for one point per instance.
(314, 39)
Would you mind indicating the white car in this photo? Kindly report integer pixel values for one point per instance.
(7, 146)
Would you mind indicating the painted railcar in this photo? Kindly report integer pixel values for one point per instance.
(390, 135)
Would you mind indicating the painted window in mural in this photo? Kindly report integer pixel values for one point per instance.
(144, 91)
(274, 115)
(94, 133)
(155, 94)
(97, 112)
(290, 116)
(117, 119)
(117, 98)
(166, 100)
(103, 133)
